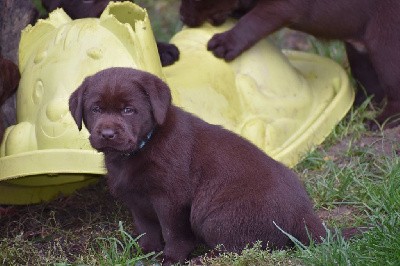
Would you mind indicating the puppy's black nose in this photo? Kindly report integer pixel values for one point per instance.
(108, 133)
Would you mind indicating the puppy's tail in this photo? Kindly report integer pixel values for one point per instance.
(350, 232)
(330, 235)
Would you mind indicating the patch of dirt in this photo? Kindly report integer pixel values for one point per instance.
(344, 215)
(336, 213)
(379, 143)
(63, 230)
(373, 145)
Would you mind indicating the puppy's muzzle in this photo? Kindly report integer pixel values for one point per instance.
(114, 136)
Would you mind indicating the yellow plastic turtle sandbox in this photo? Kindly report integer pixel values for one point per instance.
(286, 103)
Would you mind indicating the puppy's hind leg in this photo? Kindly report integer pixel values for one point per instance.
(364, 73)
(237, 224)
(384, 48)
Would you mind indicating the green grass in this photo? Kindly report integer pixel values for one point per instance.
(253, 255)
(164, 17)
(332, 49)
(380, 200)
(123, 250)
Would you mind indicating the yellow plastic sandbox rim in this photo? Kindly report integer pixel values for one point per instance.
(318, 71)
(42, 175)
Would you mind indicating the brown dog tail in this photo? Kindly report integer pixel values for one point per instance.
(350, 232)
(313, 235)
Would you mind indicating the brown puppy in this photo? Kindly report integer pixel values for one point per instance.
(369, 27)
(183, 179)
(76, 9)
(9, 80)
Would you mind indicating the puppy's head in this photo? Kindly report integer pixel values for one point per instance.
(195, 12)
(120, 107)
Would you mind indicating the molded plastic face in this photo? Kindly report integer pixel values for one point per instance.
(55, 56)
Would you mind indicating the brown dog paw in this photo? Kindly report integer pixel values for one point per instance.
(169, 53)
(148, 246)
(223, 46)
(167, 261)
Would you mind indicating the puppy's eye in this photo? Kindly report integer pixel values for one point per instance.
(96, 109)
(129, 110)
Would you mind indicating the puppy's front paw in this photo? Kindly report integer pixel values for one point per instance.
(149, 245)
(224, 46)
(169, 53)
(167, 261)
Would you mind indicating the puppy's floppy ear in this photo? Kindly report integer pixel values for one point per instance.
(160, 97)
(76, 104)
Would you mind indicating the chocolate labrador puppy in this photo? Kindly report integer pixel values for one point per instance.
(9, 80)
(184, 180)
(369, 28)
(76, 9)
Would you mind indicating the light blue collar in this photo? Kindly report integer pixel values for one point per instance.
(142, 143)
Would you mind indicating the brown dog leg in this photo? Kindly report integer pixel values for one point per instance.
(386, 61)
(364, 73)
(251, 28)
(9, 80)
